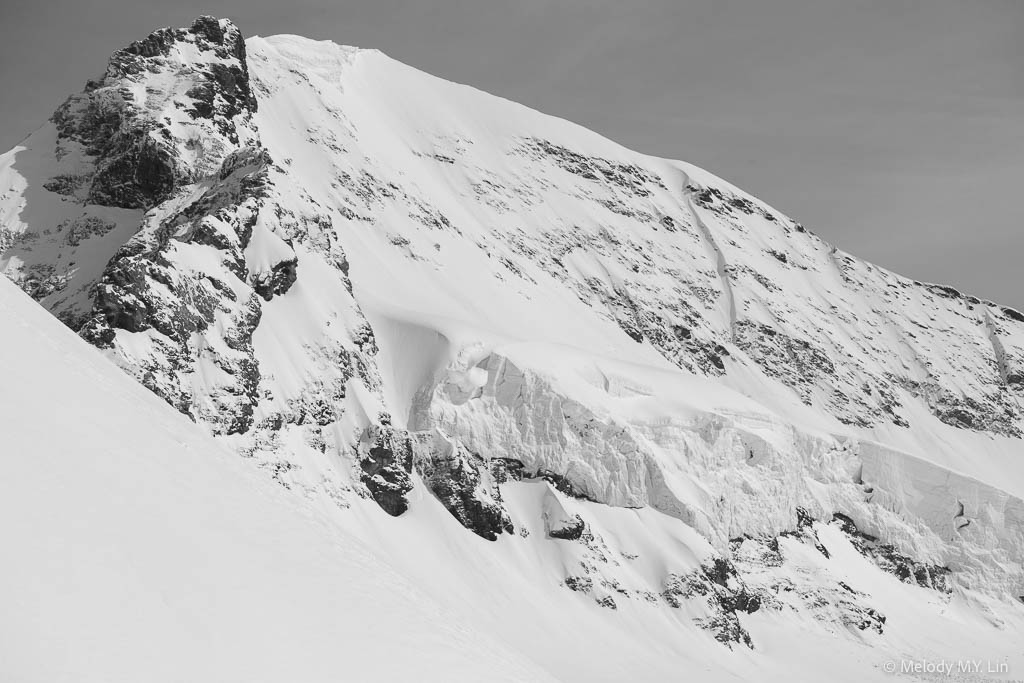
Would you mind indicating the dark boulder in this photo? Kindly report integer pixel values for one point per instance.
(567, 530)
(278, 281)
(387, 466)
(462, 482)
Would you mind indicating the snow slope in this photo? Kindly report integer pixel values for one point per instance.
(138, 548)
(665, 414)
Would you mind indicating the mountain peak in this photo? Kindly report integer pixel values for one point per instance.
(167, 111)
(400, 296)
(214, 33)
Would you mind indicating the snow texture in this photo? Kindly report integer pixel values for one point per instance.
(606, 408)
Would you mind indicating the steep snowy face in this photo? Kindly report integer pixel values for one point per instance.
(707, 276)
(376, 284)
(643, 330)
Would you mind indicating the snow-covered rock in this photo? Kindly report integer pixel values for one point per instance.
(385, 289)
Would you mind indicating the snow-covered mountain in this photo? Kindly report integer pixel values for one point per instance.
(606, 408)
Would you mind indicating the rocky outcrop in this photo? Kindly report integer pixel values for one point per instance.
(753, 573)
(462, 481)
(464, 484)
(149, 285)
(890, 560)
(805, 531)
(725, 596)
(567, 530)
(561, 522)
(386, 465)
(138, 123)
(771, 577)
(278, 281)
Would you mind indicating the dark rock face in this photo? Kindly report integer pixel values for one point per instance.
(726, 595)
(506, 469)
(463, 483)
(768, 552)
(747, 580)
(561, 483)
(871, 620)
(125, 124)
(571, 530)
(280, 279)
(992, 412)
(796, 362)
(676, 342)
(628, 177)
(580, 584)
(804, 520)
(137, 172)
(138, 161)
(142, 288)
(724, 203)
(889, 559)
(883, 554)
(805, 530)
(722, 572)
(386, 470)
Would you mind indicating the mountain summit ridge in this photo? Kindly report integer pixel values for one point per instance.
(385, 289)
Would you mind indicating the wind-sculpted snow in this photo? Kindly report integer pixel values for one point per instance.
(385, 290)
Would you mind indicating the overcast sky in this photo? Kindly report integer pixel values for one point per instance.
(893, 128)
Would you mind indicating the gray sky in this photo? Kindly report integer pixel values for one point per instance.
(892, 128)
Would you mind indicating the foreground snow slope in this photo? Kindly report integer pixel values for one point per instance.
(620, 409)
(137, 548)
